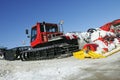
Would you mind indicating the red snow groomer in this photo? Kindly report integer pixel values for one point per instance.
(105, 43)
(48, 41)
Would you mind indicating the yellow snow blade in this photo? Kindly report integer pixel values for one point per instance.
(94, 55)
(91, 54)
(82, 55)
(79, 54)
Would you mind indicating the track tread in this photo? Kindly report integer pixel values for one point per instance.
(50, 52)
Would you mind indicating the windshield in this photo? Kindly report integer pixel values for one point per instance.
(49, 28)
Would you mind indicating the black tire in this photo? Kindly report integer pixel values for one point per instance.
(10, 55)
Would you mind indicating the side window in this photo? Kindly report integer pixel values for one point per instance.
(33, 34)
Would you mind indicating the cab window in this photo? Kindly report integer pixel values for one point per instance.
(33, 34)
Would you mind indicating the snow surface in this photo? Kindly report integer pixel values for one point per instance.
(62, 69)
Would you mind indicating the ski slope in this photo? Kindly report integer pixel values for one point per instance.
(62, 69)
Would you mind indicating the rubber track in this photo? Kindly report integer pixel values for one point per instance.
(49, 52)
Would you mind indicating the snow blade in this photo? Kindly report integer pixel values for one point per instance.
(91, 54)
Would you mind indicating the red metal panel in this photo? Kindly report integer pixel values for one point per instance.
(106, 27)
(38, 37)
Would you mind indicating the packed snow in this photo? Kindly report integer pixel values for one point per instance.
(62, 69)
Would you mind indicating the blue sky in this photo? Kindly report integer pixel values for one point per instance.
(78, 15)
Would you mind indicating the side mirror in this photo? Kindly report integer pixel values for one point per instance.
(27, 31)
(61, 25)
